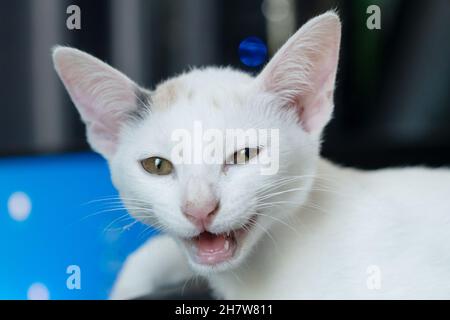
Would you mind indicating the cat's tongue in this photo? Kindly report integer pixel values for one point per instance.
(214, 248)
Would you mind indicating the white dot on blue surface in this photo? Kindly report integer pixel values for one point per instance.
(19, 206)
(252, 51)
(38, 291)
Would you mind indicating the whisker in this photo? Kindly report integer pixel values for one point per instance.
(278, 220)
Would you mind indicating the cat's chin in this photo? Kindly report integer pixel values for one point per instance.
(218, 251)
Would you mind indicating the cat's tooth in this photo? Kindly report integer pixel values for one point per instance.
(227, 245)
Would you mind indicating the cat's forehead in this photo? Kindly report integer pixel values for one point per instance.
(216, 85)
(211, 98)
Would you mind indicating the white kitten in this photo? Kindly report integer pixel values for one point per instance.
(313, 230)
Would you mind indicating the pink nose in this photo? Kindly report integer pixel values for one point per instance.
(201, 214)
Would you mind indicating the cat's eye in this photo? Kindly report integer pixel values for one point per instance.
(243, 156)
(157, 165)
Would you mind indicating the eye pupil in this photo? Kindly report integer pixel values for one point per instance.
(244, 155)
(158, 163)
(247, 154)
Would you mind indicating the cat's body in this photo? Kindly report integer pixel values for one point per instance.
(380, 234)
(309, 229)
(390, 226)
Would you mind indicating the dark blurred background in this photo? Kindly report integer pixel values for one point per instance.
(392, 100)
(392, 109)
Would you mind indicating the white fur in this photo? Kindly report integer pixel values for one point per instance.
(395, 219)
(319, 227)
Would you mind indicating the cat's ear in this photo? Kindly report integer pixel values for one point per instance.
(302, 73)
(103, 96)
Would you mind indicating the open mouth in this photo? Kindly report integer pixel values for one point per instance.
(211, 249)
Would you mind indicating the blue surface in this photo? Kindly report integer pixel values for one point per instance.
(62, 228)
(252, 52)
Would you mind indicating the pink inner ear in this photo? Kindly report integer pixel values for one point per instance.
(97, 108)
(105, 117)
(319, 104)
(302, 72)
(102, 95)
(317, 114)
(99, 132)
(312, 96)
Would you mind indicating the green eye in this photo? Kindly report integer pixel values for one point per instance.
(243, 156)
(156, 165)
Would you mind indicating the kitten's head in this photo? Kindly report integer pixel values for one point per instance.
(219, 204)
